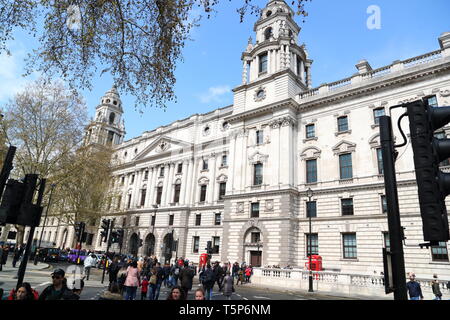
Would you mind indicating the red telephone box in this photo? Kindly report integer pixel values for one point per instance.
(316, 263)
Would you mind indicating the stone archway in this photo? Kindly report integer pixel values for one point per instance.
(150, 242)
(167, 247)
(253, 246)
(133, 244)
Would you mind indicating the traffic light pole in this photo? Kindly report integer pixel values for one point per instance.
(395, 229)
(111, 226)
(79, 240)
(31, 185)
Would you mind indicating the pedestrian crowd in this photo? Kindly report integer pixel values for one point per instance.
(146, 276)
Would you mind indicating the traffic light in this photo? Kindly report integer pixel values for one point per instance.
(11, 201)
(433, 185)
(120, 233)
(114, 236)
(79, 229)
(17, 207)
(105, 229)
(209, 247)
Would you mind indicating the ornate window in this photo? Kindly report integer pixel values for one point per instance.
(440, 252)
(312, 244)
(222, 190)
(254, 210)
(176, 196)
(377, 113)
(258, 174)
(311, 171)
(345, 166)
(112, 117)
(342, 124)
(263, 62)
(310, 131)
(203, 193)
(347, 207)
(267, 33)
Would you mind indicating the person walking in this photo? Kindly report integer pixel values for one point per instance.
(132, 282)
(113, 270)
(58, 290)
(89, 262)
(17, 254)
(186, 276)
(175, 274)
(208, 281)
(235, 270)
(228, 287)
(436, 288)
(248, 273)
(219, 274)
(240, 277)
(160, 279)
(166, 272)
(144, 288)
(153, 282)
(414, 290)
(4, 256)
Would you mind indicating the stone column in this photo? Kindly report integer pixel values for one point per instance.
(308, 75)
(165, 184)
(302, 71)
(189, 182)
(152, 186)
(171, 183)
(184, 182)
(244, 73)
(286, 151)
(212, 179)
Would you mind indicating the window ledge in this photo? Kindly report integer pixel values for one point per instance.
(346, 181)
(223, 167)
(375, 126)
(204, 170)
(310, 139)
(350, 259)
(343, 132)
(440, 262)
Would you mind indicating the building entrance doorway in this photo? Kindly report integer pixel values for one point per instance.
(255, 258)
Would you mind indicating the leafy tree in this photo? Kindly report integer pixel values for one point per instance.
(137, 41)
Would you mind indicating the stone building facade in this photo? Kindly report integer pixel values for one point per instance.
(238, 176)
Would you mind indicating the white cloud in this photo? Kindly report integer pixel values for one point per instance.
(214, 94)
(11, 70)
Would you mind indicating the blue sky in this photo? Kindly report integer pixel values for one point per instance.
(335, 33)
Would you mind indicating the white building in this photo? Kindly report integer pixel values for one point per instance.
(237, 176)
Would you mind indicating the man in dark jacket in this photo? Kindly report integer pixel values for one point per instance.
(414, 290)
(208, 281)
(186, 276)
(160, 279)
(17, 254)
(235, 270)
(113, 270)
(4, 256)
(58, 290)
(219, 274)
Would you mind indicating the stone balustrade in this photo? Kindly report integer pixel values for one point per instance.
(334, 282)
(373, 74)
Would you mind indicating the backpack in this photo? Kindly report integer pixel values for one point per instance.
(153, 279)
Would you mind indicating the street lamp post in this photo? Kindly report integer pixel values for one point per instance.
(309, 194)
(53, 185)
(258, 244)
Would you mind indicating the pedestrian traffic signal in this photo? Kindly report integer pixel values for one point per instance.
(114, 236)
(105, 229)
(11, 201)
(433, 185)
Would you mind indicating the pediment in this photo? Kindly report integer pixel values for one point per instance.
(343, 147)
(257, 157)
(310, 153)
(164, 145)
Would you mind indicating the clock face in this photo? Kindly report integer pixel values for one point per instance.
(260, 94)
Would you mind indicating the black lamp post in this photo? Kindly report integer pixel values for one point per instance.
(53, 185)
(258, 244)
(309, 194)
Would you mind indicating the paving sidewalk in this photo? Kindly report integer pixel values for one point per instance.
(30, 266)
(319, 295)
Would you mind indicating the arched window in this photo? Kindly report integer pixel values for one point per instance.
(112, 117)
(267, 33)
